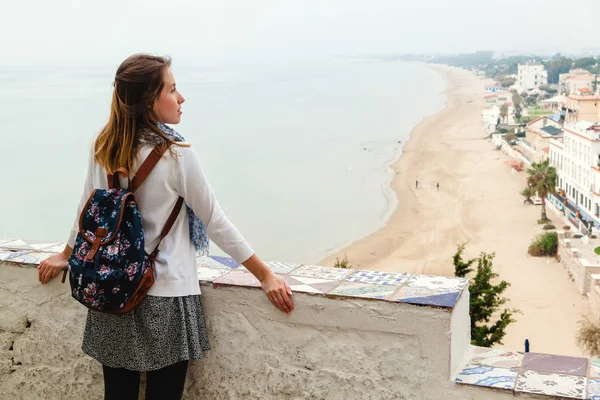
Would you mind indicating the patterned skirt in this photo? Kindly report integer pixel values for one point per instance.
(159, 332)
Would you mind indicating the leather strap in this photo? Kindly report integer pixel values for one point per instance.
(146, 167)
(113, 179)
(169, 224)
(139, 178)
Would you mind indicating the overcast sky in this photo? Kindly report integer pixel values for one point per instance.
(41, 32)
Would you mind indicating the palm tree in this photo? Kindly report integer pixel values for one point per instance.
(527, 193)
(542, 179)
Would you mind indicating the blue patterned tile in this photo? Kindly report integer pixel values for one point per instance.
(367, 290)
(503, 378)
(431, 290)
(227, 261)
(30, 258)
(593, 389)
(439, 300)
(378, 277)
(7, 254)
(208, 262)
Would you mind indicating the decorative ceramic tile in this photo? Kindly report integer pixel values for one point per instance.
(359, 289)
(52, 248)
(42, 246)
(7, 254)
(431, 290)
(17, 244)
(280, 267)
(552, 384)
(207, 262)
(6, 241)
(227, 261)
(404, 295)
(496, 357)
(593, 389)
(503, 378)
(439, 284)
(310, 285)
(555, 364)
(381, 278)
(30, 258)
(594, 368)
(237, 278)
(277, 267)
(316, 271)
(211, 274)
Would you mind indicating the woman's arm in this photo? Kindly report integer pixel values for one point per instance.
(198, 194)
(51, 267)
(275, 287)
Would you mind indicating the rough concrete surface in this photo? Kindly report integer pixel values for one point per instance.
(328, 349)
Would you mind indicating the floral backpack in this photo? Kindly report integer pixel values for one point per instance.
(109, 268)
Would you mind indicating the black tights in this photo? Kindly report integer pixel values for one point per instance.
(163, 384)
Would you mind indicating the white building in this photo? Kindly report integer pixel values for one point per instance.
(575, 79)
(531, 76)
(577, 160)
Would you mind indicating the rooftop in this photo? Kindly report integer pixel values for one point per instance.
(551, 130)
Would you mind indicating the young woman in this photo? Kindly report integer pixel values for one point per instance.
(167, 328)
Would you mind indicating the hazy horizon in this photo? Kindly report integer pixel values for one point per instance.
(68, 32)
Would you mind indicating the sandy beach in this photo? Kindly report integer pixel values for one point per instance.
(478, 203)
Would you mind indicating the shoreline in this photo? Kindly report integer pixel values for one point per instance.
(392, 185)
(327, 257)
(478, 204)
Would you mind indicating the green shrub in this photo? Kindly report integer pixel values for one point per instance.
(545, 244)
(344, 263)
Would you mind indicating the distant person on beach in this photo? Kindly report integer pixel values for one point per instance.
(438, 186)
(166, 329)
(416, 184)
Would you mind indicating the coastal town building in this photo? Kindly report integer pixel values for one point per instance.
(538, 134)
(581, 107)
(531, 76)
(574, 80)
(555, 103)
(576, 157)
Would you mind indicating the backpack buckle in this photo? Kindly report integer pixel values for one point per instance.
(101, 233)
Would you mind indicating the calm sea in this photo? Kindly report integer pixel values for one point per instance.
(298, 155)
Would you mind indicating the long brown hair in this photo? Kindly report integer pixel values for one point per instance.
(138, 84)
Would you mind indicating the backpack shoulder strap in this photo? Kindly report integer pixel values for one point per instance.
(146, 167)
(170, 221)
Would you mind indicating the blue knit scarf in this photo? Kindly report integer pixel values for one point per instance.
(197, 229)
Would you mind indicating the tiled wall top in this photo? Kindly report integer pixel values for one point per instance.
(538, 373)
(433, 291)
(332, 282)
